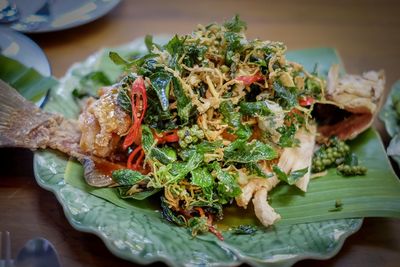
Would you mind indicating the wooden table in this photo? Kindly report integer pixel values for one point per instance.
(366, 34)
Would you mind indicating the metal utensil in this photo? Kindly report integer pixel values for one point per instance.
(37, 252)
(5, 250)
(8, 11)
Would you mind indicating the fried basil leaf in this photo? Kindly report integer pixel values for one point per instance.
(90, 83)
(235, 24)
(286, 96)
(170, 215)
(127, 176)
(287, 138)
(290, 178)
(184, 104)
(227, 185)
(242, 151)
(255, 168)
(244, 230)
(202, 177)
(160, 82)
(140, 195)
(255, 109)
(231, 117)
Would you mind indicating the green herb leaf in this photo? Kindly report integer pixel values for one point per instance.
(171, 216)
(287, 97)
(227, 187)
(287, 138)
(198, 225)
(160, 82)
(231, 117)
(201, 148)
(90, 84)
(234, 46)
(141, 195)
(176, 171)
(201, 177)
(312, 86)
(255, 109)
(194, 54)
(145, 62)
(235, 24)
(244, 152)
(338, 206)
(292, 177)
(117, 59)
(244, 132)
(296, 175)
(184, 104)
(244, 230)
(124, 100)
(165, 155)
(147, 139)
(148, 41)
(127, 176)
(175, 46)
(254, 168)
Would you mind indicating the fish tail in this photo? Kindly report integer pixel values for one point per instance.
(23, 124)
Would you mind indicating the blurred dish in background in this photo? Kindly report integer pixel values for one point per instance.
(54, 15)
(390, 116)
(8, 11)
(19, 47)
(24, 66)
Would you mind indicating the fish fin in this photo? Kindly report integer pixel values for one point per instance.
(23, 124)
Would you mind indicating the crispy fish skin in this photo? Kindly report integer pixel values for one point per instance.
(102, 124)
(23, 124)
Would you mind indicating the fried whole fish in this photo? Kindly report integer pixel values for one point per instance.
(23, 124)
(93, 139)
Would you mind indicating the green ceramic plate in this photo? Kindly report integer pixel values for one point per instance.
(139, 234)
(391, 120)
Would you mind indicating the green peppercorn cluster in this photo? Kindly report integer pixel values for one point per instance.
(190, 135)
(330, 155)
(348, 170)
(336, 153)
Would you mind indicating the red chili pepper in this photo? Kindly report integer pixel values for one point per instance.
(171, 136)
(135, 160)
(167, 137)
(305, 101)
(139, 106)
(248, 80)
(139, 162)
(132, 157)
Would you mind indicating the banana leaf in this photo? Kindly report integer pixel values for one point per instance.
(29, 83)
(377, 194)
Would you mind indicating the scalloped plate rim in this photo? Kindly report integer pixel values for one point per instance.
(338, 246)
